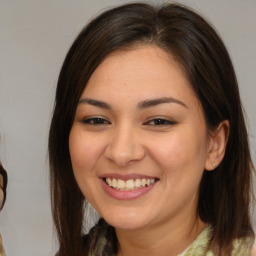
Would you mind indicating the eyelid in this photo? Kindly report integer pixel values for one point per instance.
(86, 120)
(165, 121)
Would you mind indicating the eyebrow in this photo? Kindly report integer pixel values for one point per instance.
(96, 103)
(154, 102)
(141, 105)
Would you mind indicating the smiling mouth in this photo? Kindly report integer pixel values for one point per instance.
(129, 185)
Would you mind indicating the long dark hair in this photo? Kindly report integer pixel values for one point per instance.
(5, 180)
(224, 196)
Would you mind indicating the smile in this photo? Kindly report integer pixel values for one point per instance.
(129, 185)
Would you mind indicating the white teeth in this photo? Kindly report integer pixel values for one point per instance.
(137, 183)
(109, 181)
(129, 184)
(114, 183)
(120, 183)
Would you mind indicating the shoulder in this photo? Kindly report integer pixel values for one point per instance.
(242, 247)
(95, 241)
(200, 247)
(100, 240)
(254, 249)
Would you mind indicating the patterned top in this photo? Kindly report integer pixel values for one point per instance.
(99, 245)
(241, 247)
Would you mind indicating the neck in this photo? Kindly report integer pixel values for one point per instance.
(163, 239)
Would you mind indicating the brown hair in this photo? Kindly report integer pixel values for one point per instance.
(224, 197)
(5, 180)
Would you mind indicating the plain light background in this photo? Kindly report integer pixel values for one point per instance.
(34, 38)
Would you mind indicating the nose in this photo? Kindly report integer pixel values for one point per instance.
(124, 147)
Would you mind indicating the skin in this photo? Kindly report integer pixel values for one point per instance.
(128, 140)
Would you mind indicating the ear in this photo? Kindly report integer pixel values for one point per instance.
(217, 146)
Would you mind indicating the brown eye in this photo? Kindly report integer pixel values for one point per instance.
(95, 121)
(160, 121)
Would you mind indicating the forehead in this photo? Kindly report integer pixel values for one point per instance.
(141, 72)
(136, 61)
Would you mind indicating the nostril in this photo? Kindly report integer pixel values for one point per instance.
(124, 154)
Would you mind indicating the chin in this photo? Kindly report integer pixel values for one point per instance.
(130, 221)
(126, 224)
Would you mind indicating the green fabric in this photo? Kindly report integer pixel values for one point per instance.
(241, 247)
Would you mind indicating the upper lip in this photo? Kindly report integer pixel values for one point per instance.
(127, 176)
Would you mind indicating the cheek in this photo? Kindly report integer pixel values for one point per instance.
(85, 150)
(180, 152)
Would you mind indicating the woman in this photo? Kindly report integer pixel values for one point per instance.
(148, 127)
(3, 185)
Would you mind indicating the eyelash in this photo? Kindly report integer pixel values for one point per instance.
(160, 122)
(97, 121)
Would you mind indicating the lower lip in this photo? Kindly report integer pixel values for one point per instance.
(126, 195)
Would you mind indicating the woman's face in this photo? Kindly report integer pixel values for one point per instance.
(139, 141)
